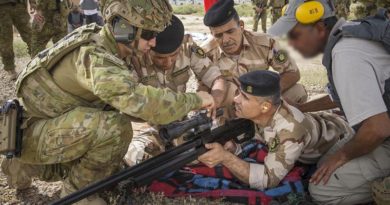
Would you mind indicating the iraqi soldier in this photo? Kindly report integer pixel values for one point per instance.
(358, 72)
(237, 51)
(49, 22)
(289, 135)
(276, 9)
(13, 13)
(169, 65)
(80, 98)
(260, 8)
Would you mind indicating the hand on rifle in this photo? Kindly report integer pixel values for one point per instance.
(207, 102)
(230, 146)
(216, 155)
(258, 10)
(218, 91)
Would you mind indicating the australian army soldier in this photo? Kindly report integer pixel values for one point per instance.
(237, 51)
(80, 97)
(358, 71)
(13, 13)
(260, 7)
(169, 65)
(289, 135)
(49, 22)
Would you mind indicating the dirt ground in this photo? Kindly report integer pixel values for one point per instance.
(313, 77)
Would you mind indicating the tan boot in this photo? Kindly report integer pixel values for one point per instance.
(12, 74)
(17, 176)
(381, 191)
(91, 200)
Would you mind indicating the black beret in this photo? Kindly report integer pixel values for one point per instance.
(171, 38)
(261, 83)
(220, 13)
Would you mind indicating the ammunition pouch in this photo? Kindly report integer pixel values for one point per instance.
(11, 118)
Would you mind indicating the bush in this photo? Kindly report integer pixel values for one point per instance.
(189, 9)
(244, 10)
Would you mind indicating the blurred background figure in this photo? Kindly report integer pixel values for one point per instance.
(260, 8)
(342, 8)
(75, 19)
(12, 13)
(276, 9)
(90, 10)
(49, 22)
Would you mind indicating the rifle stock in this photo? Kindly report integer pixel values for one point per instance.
(144, 173)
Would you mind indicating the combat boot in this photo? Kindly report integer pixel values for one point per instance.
(17, 174)
(91, 200)
(381, 191)
(12, 74)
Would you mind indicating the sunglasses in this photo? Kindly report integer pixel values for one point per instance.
(148, 35)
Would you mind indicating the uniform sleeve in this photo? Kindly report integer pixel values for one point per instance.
(280, 60)
(357, 84)
(283, 152)
(202, 66)
(110, 80)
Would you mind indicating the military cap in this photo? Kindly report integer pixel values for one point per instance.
(261, 83)
(171, 38)
(220, 13)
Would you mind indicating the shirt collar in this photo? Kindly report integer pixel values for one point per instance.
(337, 26)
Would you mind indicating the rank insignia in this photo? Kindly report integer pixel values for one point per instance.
(281, 56)
(199, 51)
(249, 89)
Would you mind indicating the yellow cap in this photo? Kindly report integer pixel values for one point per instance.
(309, 12)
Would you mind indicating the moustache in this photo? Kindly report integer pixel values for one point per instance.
(228, 44)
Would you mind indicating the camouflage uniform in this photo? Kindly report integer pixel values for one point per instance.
(71, 132)
(259, 53)
(342, 8)
(13, 14)
(262, 15)
(381, 191)
(190, 58)
(363, 8)
(293, 136)
(55, 25)
(276, 10)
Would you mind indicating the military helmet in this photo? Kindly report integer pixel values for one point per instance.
(153, 15)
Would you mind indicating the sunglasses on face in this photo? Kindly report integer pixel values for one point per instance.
(148, 35)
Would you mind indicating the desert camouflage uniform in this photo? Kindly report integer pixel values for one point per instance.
(191, 58)
(55, 25)
(293, 136)
(259, 53)
(276, 10)
(262, 15)
(72, 133)
(342, 8)
(13, 14)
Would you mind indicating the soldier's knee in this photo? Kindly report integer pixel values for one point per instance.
(114, 129)
(296, 93)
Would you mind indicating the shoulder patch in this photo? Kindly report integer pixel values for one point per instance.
(198, 51)
(273, 144)
(280, 56)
